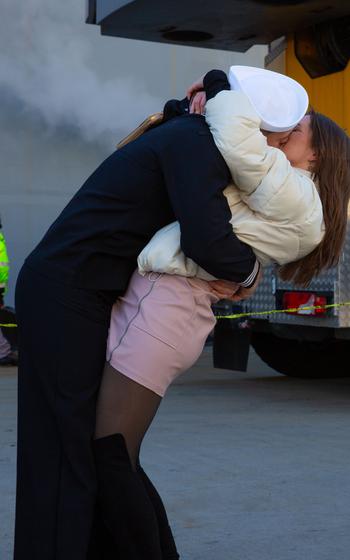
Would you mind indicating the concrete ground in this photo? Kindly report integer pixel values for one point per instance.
(251, 466)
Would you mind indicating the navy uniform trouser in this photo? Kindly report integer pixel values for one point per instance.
(63, 333)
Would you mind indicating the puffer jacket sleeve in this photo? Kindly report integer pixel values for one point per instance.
(163, 253)
(268, 183)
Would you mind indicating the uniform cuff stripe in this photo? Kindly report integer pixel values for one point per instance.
(248, 282)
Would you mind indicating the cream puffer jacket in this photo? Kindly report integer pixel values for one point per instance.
(275, 208)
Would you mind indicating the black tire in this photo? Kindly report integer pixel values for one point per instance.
(304, 359)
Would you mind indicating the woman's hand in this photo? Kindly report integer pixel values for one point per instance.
(198, 102)
(195, 87)
(197, 97)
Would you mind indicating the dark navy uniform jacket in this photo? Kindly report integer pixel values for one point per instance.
(172, 172)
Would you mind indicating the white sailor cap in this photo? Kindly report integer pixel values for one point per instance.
(280, 101)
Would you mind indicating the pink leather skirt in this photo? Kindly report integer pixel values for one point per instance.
(159, 328)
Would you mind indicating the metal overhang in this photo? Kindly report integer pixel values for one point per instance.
(223, 24)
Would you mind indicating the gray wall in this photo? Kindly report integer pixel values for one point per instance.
(50, 144)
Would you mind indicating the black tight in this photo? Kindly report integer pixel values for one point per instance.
(125, 407)
(131, 506)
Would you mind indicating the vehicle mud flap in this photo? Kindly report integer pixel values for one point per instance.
(231, 343)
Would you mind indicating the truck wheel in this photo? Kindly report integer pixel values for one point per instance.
(304, 359)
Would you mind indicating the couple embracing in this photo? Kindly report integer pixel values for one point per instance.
(183, 215)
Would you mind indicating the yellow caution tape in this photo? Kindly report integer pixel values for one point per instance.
(249, 314)
(291, 310)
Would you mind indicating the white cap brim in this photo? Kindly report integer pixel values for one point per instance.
(280, 101)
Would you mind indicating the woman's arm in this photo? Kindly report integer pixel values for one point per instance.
(267, 182)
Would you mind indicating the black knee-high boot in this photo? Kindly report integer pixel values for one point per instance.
(124, 503)
(167, 542)
(101, 544)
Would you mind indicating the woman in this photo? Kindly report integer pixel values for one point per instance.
(159, 328)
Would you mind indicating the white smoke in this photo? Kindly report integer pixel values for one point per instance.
(50, 60)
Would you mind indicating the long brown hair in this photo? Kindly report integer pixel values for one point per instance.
(331, 171)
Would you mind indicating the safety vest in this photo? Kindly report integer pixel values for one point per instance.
(4, 262)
